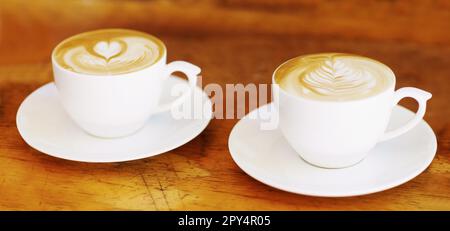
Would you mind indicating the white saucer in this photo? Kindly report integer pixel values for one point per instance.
(267, 157)
(45, 126)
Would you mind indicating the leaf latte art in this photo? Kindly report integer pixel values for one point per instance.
(334, 76)
(109, 52)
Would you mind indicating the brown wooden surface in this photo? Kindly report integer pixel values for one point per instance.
(233, 41)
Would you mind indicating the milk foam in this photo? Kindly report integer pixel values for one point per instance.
(334, 76)
(109, 52)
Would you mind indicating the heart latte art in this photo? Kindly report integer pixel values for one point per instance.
(108, 52)
(334, 76)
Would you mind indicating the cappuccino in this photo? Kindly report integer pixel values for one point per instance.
(333, 108)
(108, 52)
(334, 77)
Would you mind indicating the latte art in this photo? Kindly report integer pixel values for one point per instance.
(333, 76)
(109, 52)
(336, 78)
(108, 49)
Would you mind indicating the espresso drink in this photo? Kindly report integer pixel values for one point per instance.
(334, 77)
(108, 52)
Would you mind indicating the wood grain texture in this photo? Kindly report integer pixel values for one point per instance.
(233, 41)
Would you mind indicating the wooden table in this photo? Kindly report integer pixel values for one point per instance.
(234, 42)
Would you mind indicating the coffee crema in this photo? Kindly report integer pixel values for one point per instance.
(108, 52)
(334, 76)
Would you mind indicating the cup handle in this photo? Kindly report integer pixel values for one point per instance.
(191, 72)
(421, 97)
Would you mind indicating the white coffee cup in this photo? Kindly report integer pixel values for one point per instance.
(337, 134)
(118, 105)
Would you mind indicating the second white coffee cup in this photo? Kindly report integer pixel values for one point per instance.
(337, 134)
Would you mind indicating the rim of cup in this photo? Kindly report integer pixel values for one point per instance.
(159, 41)
(390, 88)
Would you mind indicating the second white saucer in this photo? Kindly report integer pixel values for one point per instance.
(45, 126)
(267, 157)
